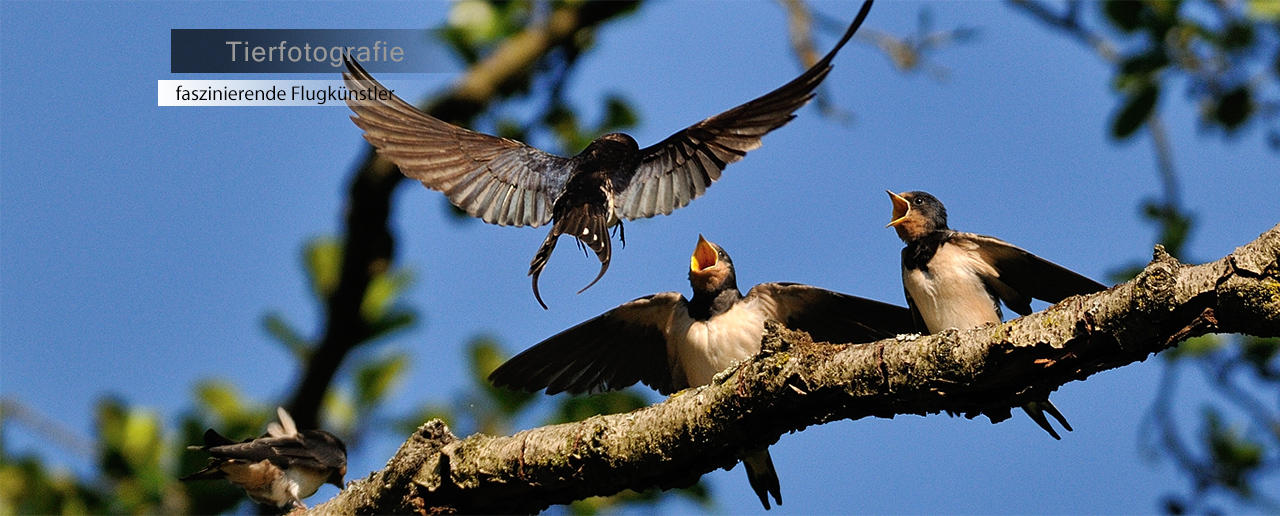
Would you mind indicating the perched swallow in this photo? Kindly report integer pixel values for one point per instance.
(672, 343)
(508, 183)
(281, 467)
(957, 280)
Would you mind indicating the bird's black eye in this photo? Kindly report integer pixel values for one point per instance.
(919, 200)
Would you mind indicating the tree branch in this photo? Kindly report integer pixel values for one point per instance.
(794, 383)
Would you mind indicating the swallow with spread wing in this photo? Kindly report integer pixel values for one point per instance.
(505, 182)
(670, 343)
(280, 468)
(957, 280)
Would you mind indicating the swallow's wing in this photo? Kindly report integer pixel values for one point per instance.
(916, 317)
(679, 169)
(282, 451)
(614, 350)
(1022, 276)
(831, 316)
(321, 447)
(499, 180)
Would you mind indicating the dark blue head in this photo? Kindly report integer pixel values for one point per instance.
(916, 214)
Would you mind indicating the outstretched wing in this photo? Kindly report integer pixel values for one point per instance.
(614, 350)
(1022, 276)
(679, 169)
(831, 316)
(499, 180)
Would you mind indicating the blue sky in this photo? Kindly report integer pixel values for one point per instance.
(140, 245)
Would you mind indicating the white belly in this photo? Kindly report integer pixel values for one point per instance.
(700, 349)
(951, 294)
(305, 482)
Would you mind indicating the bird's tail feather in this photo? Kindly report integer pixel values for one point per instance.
(540, 260)
(1036, 410)
(762, 476)
(590, 225)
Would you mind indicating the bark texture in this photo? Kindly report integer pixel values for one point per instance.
(794, 383)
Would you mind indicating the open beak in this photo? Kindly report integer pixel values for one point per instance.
(704, 256)
(900, 209)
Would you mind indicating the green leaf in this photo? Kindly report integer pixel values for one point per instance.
(1235, 456)
(1134, 112)
(1125, 14)
(618, 115)
(1174, 225)
(222, 399)
(376, 378)
(1197, 347)
(383, 290)
(323, 261)
(487, 355)
(1145, 63)
(391, 322)
(1234, 108)
(339, 414)
(1266, 10)
(277, 327)
(1238, 36)
(1260, 352)
(476, 21)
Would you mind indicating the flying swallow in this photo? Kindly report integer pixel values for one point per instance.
(281, 467)
(670, 343)
(957, 280)
(508, 183)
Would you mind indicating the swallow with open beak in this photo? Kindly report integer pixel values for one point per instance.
(280, 468)
(957, 280)
(670, 343)
(505, 182)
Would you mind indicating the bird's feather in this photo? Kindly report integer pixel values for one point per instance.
(679, 169)
(498, 180)
(829, 316)
(1022, 276)
(611, 351)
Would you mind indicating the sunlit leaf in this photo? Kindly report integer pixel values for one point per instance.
(284, 333)
(323, 260)
(1264, 10)
(487, 355)
(383, 291)
(222, 398)
(1197, 347)
(376, 378)
(475, 20)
